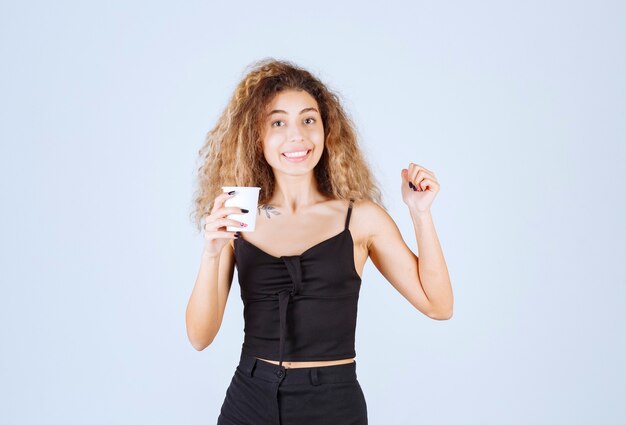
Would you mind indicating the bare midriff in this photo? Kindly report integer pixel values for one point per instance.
(289, 365)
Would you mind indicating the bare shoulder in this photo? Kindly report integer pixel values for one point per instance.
(369, 209)
(371, 219)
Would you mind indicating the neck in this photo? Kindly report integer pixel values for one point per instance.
(293, 193)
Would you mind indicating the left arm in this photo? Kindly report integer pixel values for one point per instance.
(423, 281)
(419, 188)
(433, 272)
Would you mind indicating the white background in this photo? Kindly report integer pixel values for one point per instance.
(517, 107)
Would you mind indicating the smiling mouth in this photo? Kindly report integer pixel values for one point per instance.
(299, 157)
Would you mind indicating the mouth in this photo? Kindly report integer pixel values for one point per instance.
(297, 156)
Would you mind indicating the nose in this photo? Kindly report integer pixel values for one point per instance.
(295, 135)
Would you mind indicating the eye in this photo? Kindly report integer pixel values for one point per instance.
(275, 123)
(314, 120)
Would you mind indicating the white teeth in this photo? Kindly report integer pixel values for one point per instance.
(295, 154)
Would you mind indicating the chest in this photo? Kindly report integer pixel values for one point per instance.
(324, 269)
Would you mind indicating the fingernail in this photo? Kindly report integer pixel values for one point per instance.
(243, 210)
(231, 192)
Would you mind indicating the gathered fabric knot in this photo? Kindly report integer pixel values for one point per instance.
(295, 272)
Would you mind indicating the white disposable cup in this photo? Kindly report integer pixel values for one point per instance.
(246, 197)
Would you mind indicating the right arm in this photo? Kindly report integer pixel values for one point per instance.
(207, 303)
(205, 309)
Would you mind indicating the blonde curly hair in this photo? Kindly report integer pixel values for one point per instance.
(232, 154)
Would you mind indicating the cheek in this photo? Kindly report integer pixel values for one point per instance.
(271, 150)
(317, 135)
(269, 143)
(319, 142)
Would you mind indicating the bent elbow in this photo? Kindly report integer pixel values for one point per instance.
(441, 315)
(199, 346)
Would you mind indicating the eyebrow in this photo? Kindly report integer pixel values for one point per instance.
(280, 111)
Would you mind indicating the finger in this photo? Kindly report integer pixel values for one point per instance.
(423, 174)
(221, 234)
(406, 180)
(410, 176)
(231, 222)
(428, 183)
(218, 217)
(426, 169)
(405, 175)
(429, 173)
(208, 226)
(220, 223)
(225, 211)
(420, 167)
(203, 220)
(220, 199)
(413, 170)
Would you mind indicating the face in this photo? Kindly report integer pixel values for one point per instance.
(293, 124)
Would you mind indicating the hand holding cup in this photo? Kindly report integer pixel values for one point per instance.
(215, 235)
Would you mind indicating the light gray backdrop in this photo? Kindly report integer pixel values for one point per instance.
(518, 108)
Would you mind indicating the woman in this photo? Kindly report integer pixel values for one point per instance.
(319, 218)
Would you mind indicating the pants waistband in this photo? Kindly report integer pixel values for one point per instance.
(270, 372)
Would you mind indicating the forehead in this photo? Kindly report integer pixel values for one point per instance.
(291, 101)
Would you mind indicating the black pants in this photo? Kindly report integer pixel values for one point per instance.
(264, 393)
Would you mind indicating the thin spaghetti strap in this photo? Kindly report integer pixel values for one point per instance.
(349, 212)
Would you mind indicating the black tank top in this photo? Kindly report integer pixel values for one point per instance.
(300, 307)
